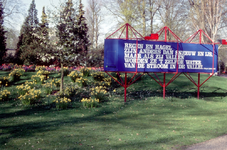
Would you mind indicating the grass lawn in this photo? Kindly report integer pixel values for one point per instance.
(145, 121)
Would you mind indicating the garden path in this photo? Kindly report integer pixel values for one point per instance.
(219, 143)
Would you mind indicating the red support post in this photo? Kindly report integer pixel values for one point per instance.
(125, 85)
(130, 83)
(155, 80)
(164, 86)
(127, 31)
(120, 78)
(213, 61)
(198, 85)
(173, 78)
(115, 79)
(122, 32)
(177, 55)
(136, 55)
(165, 34)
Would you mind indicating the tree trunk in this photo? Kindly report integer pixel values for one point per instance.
(144, 17)
(151, 21)
(62, 79)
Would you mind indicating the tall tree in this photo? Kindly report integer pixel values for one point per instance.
(94, 19)
(152, 7)
(138, 13)
(44, 25)
(123, 10)
(11, 38)
(2, 35)
(208, 15)
(71, 39)
(27, 42)
(172, 14)
(43, 30)
(13, 11)
(83, 38)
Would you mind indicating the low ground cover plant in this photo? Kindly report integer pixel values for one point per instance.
(99, 93)
(62, 102)
(4, 95)
(74, 75)
(31, 97)
(90, 102)
(16, 74)
(82, 82)
(38, 79)
(85, 71)
(23, 89)
(4, 81)
(49, 87)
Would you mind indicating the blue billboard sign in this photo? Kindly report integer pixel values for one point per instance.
(155, 56)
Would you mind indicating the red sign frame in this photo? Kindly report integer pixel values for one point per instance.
(126, 28)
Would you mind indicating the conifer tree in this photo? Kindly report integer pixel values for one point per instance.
(82, 30)
(67, 33)
(2, 35)
(44, 26)
(64, 47)
(70, 42)
(18, 50)
(43, 31)
(27, 44)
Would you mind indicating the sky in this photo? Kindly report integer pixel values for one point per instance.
(40, 4)
(47, 3)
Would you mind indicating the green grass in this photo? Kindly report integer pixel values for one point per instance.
(145, 121)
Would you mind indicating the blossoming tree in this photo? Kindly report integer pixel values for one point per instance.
(71, 41)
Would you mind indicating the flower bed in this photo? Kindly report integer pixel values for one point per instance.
(31, 97)
(16, 74)
(62, 103)
(90, 102)
(4, 95)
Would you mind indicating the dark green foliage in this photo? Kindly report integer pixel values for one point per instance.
(2, 35)
(27, 45)
(96, 58)
(44, 26)
(82, 31)
(18, 51)
(67, 33)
